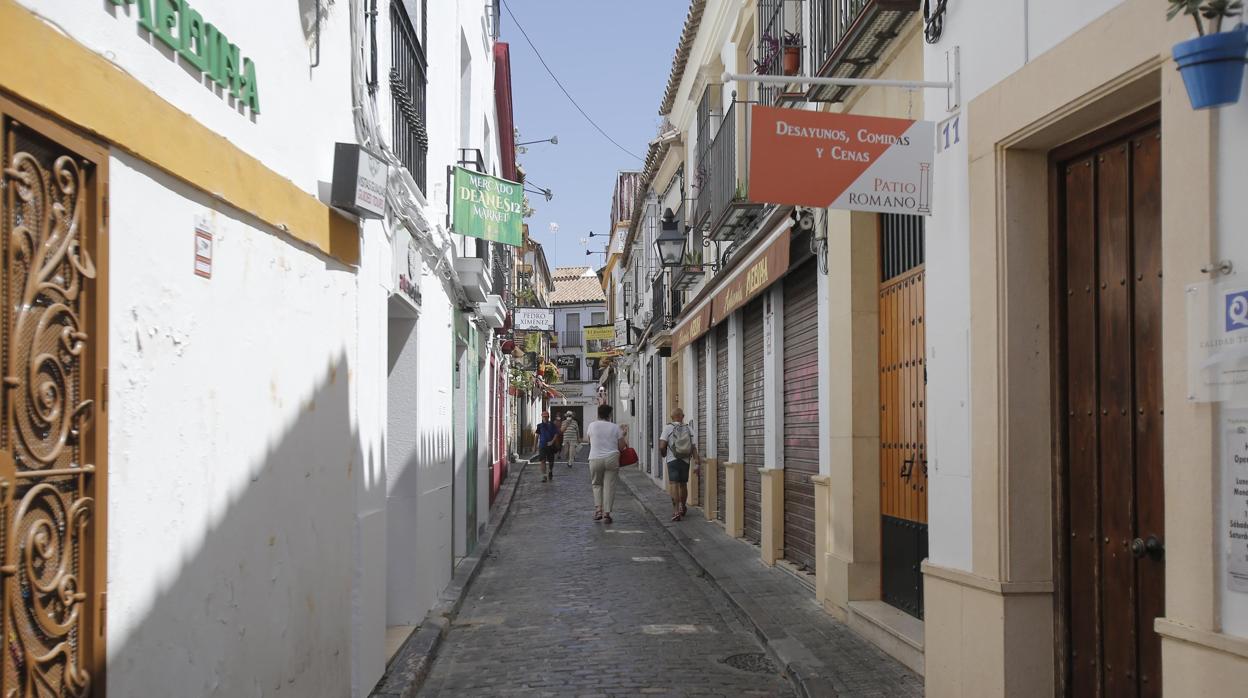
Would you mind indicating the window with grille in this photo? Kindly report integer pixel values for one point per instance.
(408, 87)
(901, 244)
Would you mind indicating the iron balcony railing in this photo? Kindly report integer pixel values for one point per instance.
(571, 338)
(408, 82)
(501, 259)
(724, 213)
(779, 21)
(658, 304)
(848, 37)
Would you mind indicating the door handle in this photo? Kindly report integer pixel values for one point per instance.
(907, 466)
(1151, 546)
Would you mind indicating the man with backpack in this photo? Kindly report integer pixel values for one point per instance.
(677, 445)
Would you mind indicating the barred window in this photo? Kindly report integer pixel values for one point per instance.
(407, 88)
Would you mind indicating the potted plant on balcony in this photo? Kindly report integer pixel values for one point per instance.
(1212, 64)
(792, 53)
(769, 48)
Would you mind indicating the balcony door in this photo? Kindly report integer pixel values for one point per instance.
(572, 330)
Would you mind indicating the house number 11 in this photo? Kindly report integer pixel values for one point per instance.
(949, 133)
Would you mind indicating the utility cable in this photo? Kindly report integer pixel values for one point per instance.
(564, 89)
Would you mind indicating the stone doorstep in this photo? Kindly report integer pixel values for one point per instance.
(396, 636)
(896, 632)
(408, 668)
(807, 580)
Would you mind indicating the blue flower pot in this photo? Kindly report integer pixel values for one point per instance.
(1213, 67)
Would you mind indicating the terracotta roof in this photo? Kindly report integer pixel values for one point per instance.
(683, 48)
(579, 289)
(570, 272)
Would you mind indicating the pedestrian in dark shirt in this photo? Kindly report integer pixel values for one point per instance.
(547, 446)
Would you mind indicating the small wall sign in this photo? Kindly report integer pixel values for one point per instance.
(542, 319)
(360, 180)
(203, 252)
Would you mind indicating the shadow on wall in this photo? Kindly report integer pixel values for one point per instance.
(420, 530)
(263, 606)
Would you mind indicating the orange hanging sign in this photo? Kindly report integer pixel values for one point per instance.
(844, 161)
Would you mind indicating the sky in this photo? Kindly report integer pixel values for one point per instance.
(614, 58)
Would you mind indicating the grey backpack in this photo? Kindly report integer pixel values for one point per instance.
(681, 441)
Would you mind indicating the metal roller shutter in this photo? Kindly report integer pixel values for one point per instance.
(801, 412)
(755, 421)
(700, 380)
(721, 414)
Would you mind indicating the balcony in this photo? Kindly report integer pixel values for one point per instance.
(851, 36)
(780, 21)
(571, 339)
(723, 212)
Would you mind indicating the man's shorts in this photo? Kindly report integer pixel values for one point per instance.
(678, 471)
(548, 453)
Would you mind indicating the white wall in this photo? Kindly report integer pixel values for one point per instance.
(288, 136)
(1022, 30)
(1232, 212)
(235, 452)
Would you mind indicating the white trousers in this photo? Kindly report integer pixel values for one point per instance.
(603, 474)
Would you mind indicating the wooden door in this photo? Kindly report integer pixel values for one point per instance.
(721, 416)
(903, 427)
(755, 421)
(53, 427)
(801, 412)
(1108, 276)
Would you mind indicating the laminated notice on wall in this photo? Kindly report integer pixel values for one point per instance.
(1235, 499)
(1217, 341)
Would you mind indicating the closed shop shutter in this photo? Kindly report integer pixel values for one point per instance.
(801, 412)
(700, 380)
(755, 422)
(721, 414)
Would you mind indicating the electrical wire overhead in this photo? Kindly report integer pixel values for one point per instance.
(567, 94)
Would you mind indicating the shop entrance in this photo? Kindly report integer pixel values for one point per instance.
(903, 425)
(1107, 227)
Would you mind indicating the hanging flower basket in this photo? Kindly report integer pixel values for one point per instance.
(1212, 67)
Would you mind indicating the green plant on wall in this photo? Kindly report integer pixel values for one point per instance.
(1214, 12)
(520, 379)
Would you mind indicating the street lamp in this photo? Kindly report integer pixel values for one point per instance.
(671, 241)
(553, 140)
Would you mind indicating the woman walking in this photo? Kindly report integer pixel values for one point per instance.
(571, 436)
(606, 440)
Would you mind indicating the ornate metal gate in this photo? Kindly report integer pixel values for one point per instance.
(52, 428)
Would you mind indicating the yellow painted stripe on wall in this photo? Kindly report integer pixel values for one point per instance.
(64, 78)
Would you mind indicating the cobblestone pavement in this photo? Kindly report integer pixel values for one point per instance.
(567, 606)
(824, 655)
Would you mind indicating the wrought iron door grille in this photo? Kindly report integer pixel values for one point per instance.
(408, 81)
(901, 244)
(48, 448)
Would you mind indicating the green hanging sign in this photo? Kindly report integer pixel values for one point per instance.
(487, 207)
(200, 44)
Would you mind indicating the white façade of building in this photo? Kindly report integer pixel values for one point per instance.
(579, 302)
(250, 470)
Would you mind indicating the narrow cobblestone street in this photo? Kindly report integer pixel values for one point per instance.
(567, 606)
